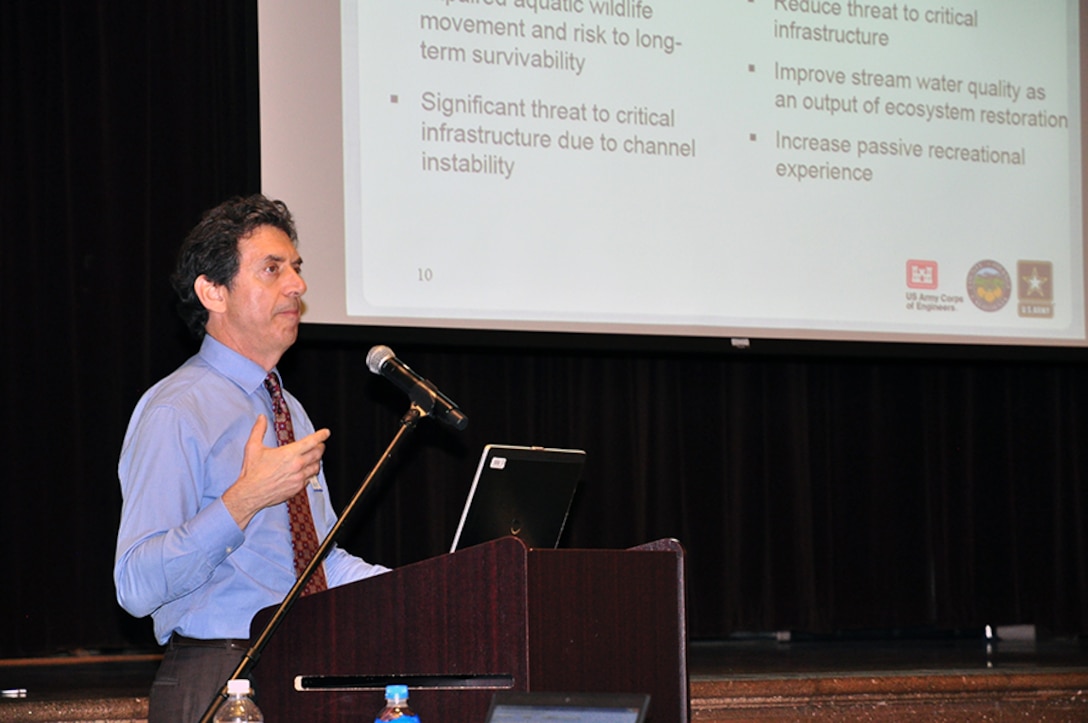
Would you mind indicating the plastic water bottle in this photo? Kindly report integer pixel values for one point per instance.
(238, 707)
(396, 706)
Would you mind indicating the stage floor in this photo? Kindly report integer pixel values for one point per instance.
(948, 679)
(806, 656)
(757, 676)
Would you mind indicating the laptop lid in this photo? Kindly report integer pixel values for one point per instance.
(509, 706)
(522, 491)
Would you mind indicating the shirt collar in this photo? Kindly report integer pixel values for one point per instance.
(246, 373)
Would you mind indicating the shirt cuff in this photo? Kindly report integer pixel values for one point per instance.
(216, 531)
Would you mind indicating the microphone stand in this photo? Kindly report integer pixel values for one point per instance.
(408, 423)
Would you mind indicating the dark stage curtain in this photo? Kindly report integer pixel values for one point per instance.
(812, 492)
(121, 121)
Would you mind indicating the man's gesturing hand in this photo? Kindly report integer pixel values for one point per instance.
(271, 475)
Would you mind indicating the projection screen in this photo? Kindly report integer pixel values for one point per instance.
(779, 169)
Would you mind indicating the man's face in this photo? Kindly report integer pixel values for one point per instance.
(260, 312)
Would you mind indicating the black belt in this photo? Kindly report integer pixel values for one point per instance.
(181, 641)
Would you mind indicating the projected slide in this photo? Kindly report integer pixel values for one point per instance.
(709, 167)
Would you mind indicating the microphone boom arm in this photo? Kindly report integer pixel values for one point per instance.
(253, 654)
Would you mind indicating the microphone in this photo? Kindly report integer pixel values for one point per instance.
(382, 361)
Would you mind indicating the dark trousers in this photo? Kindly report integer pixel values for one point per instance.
(192, 672)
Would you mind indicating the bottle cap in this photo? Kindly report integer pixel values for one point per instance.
(396, 692)
(238, 686)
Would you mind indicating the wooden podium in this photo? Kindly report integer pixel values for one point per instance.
(458, 627)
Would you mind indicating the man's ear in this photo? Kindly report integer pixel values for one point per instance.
(211, 294)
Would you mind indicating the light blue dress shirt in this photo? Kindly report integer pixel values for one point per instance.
(181, 558)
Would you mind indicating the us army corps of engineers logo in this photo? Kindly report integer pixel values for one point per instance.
(989, 285)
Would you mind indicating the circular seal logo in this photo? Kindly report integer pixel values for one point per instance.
(989, 285)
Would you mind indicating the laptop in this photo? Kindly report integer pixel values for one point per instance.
(521, 491)
(537, 707)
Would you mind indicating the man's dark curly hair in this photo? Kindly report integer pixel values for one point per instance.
(211, 249)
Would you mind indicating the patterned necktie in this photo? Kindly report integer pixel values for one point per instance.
(303, 535)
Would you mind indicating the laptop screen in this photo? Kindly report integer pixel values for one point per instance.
(521, 491)
(533, 707)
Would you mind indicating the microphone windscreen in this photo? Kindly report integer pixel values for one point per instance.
(377, 356)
